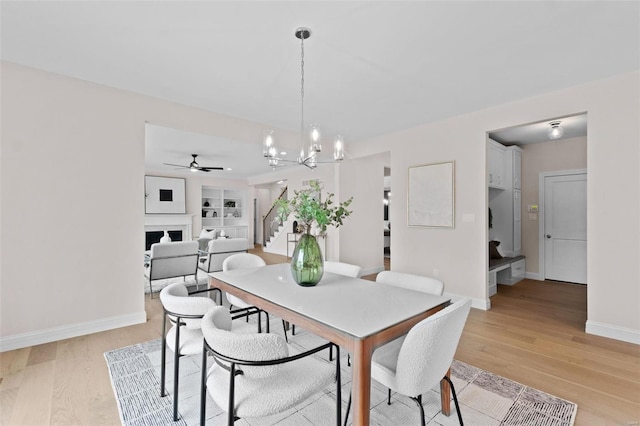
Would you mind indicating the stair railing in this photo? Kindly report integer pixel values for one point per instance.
(272, 221)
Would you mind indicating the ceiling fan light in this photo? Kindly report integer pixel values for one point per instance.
(555, 130)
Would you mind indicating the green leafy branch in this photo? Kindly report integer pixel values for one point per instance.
(307, 209)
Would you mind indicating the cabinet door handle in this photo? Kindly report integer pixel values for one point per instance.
(490, 177)
(548, 236)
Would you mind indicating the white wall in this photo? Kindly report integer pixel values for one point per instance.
(563, 154)
(82, 199)
(80, 204)
(362, 236)
(613, 161)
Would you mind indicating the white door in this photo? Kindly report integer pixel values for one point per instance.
(565, 228)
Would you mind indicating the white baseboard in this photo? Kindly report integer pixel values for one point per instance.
(613, 332)
(23, 340)
(533, 276)
(483, 304)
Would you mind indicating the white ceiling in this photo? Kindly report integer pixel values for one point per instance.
(370, 67)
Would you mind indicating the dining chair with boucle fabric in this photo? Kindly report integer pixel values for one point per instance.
(411, 282)
(185, 313)
(413, 364)
(254, 375)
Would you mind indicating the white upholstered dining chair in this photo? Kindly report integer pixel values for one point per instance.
(184, 312)
(254, 374)
(412, 365)
(244, 261)
(411, 282)
(342, 268)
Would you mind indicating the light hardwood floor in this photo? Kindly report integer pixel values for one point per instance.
(533, 334)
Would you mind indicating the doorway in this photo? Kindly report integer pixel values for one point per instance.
(561, 160)
(563, 226)
(386, 202)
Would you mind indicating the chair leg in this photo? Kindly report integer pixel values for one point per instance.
(284, 328)
(455, 399)
(150, 289)
(389, 397)
(176, 368)
(346, 416)
(418, 401)
(338, 388)
(203, 387)
(163, 355)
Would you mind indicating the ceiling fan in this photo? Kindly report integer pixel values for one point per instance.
(194, 166)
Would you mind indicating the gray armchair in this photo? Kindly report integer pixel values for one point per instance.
(171, 260)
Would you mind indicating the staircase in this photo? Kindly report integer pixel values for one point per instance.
(272, 225)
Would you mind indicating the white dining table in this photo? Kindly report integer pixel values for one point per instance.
(356, 314)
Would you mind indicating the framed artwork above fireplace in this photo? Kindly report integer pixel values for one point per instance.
(164, 195)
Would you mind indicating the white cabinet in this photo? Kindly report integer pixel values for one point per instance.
(517, 222)
(497, 165)
(492, 282)
(516, 158)
(225, 208)
(511, 275)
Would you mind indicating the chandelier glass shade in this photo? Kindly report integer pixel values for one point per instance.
(307, 157)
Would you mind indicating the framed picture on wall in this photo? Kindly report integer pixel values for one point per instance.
(431, 195)
(164, 195)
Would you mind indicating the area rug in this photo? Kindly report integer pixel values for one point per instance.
(485, 398)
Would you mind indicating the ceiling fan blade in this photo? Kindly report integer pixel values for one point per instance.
(176, 165)
(207, 169)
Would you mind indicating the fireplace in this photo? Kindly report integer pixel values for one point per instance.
(152, 237)
(179, 227)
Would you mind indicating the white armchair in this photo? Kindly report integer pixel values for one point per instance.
(220, 249)
(171, 260)
(254, 375)
(413, 365)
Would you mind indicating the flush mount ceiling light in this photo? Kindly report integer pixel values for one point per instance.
(555, 130)
(306, 158)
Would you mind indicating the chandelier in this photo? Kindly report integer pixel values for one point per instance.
(306, 158)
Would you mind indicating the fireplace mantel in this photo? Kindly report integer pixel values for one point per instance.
(170, 222)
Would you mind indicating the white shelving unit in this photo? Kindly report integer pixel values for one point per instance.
(225, 208)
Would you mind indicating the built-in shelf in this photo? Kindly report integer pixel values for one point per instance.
(225, 208)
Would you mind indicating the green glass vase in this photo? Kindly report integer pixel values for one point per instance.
(307, 265)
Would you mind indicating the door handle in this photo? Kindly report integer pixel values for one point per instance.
(548, 236)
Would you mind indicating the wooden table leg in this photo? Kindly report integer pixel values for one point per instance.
(445, 395)
(361, 381)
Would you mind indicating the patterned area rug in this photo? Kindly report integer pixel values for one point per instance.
(485, 398)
